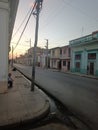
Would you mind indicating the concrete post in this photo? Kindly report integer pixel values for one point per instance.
(4, 45)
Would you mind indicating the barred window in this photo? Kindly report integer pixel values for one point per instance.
(92, 56)
(77, 56)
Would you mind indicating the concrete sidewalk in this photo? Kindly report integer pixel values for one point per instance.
(75, 73)
(19, 104)
(83, 75)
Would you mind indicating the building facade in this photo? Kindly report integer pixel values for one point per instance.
(8, 9)
(84, 54)
(27, 58)
(65, 58)
(55, 58)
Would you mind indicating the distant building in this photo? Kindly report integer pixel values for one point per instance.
(27, 58)
(65, 58)
(8, 9)
(84, 54)
(43, 58)
(55, 61)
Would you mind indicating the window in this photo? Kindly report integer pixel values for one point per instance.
(77, 56)
(64, 63)
(92, 56)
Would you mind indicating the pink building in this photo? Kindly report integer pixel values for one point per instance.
(65, 58)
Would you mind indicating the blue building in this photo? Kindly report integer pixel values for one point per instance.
(84, 54)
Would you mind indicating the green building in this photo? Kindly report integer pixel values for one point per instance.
(84, 54)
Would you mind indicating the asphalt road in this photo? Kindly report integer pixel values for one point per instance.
(78, 93)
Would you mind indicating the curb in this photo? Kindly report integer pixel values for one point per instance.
(81, 75)
(84, 121)
(29, 120)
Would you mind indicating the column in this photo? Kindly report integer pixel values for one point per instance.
(4, 24)
(97, 63)
(72, 60)
(84, 61)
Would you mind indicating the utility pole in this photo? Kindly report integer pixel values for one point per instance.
(38, 7)
(46, 53)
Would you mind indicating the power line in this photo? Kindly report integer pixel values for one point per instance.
(80, 10)
(21, 23)
(58, 12)
(23, 45)
(53, 16)
(25, 25)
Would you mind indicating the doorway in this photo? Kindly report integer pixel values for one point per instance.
(59, 65)
(68, 65)
(91, 68)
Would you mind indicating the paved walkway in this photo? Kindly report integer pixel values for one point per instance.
(19, 104)
(83, 75)
(75, 73)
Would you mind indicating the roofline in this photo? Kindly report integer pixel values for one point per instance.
(80, 37)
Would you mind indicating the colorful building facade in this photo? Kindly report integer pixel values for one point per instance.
(60, 58)
(55, 58)
(65, 58)
(84, 54)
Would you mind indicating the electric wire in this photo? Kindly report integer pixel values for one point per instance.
(69, 4)
(80, 10)
(22, 44)
(21, 23)
(25, 25)
(52, 16)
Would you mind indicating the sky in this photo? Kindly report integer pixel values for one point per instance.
(60, 21)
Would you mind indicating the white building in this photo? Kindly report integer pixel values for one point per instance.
(8, 9)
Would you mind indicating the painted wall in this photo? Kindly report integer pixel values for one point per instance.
(54, 58)
(4, 25)
(55, 53)
(65, 58)
(8, 9)
(84, 50)
(54, 63)
(64, 67)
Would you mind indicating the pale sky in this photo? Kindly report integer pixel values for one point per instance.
(60, 21)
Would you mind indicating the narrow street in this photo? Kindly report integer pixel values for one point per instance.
(79, 94)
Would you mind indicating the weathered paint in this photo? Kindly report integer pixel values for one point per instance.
(6, 19)
(84, 48)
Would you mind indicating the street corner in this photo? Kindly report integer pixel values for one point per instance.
(21, 104)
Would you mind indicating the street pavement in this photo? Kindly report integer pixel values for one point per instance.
(20, 105)
(78, 92)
